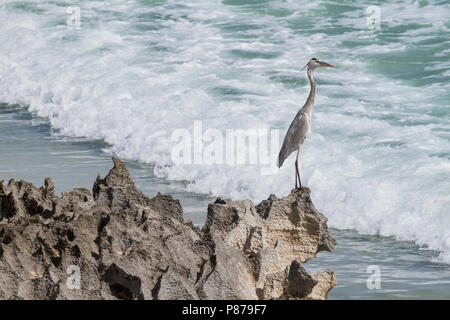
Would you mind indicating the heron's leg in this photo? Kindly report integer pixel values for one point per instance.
(297, 171)
(299, 181)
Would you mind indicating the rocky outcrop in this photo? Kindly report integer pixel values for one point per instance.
(116, 243)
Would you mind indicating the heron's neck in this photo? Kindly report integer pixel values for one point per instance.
(312, 93)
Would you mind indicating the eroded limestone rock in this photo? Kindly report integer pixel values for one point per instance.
(128, 246)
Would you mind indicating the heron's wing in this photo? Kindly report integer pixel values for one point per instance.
(295, 136)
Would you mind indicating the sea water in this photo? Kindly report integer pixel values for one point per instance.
(126, 75)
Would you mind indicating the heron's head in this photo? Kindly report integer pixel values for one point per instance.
(316, 63)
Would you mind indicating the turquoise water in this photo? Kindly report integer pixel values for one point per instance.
(377, 157)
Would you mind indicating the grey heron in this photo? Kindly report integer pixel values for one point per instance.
(299, 128)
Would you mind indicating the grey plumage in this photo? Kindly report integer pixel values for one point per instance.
(295, 136)
(299, 128)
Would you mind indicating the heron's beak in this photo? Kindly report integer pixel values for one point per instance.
(324, 64)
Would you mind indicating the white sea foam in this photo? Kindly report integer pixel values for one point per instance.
(375, 158)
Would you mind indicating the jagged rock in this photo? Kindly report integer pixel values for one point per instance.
(116, 243)
(263, 242)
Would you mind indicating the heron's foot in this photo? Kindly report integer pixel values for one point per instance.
(301, 189)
